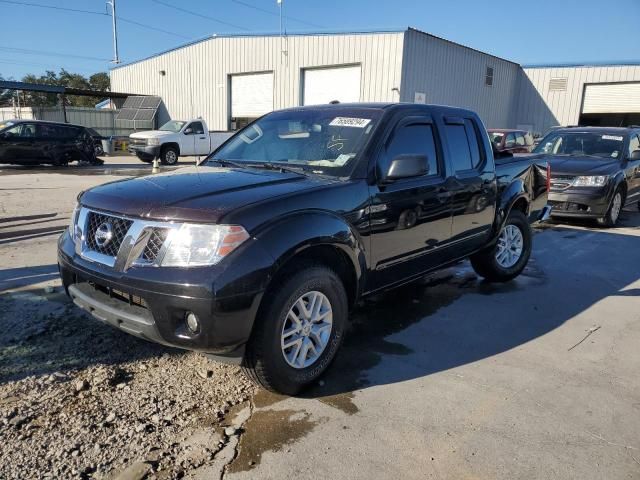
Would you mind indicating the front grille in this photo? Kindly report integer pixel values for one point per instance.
(561, 182)
(570, 207)
(137, 141)
(154, 244)
(118, 228)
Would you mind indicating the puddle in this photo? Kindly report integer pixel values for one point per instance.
(269, 431)
(343, 402)
(264, 398)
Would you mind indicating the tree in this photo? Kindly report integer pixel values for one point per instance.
(5, 95)
(97, 81)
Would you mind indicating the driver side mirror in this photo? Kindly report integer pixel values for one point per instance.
(635, 155)
(406, 166)
(188, 131)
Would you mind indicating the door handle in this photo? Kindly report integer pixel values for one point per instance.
(203, 138)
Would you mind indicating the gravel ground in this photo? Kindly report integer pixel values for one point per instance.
(79, 399)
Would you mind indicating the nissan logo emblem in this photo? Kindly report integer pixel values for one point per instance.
(104, 234)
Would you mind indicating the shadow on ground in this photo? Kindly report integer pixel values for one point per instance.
(45, 333)
(487, 324)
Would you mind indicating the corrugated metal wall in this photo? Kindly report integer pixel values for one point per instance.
(196, 79)
(100, 119)
(542, 107)
(451, 74)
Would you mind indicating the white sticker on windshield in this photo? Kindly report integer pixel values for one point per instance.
(350, 122)
(612, 137)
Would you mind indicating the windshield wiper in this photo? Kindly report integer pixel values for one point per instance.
(280, 168)
(227, 163)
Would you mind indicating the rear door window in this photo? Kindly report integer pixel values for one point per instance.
(520, 139)
(463, 145)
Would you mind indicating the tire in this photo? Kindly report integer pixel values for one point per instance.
(266, 362)
(144, 158)
(97, 148)
(493, 263)
(613, 212)
(169, 156)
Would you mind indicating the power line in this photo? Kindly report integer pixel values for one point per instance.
(269, 12)
(196, 14)
(52, 7)
(149, 27)
(93, 12)
(48, 53)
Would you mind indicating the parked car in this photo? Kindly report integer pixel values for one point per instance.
(596, 171)
(35, 142)
(258, 255)
(512, 141)
(174, 139)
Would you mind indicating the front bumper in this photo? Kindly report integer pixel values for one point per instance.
(582, 205)
(152, 302)
(145, 151)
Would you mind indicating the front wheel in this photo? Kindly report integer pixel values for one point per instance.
(298, 332)
(506, 259)
(613, 213)
(169, 156)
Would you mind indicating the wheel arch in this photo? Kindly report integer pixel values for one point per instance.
(331, 241)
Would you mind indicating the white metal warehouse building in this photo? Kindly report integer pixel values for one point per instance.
(229, 80)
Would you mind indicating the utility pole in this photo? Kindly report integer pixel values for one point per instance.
(283, 48)
(112, 3)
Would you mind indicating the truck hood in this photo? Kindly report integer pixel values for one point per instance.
(195, 194)
(580, 164)
(152, 134)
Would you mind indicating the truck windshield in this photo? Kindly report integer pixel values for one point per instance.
(173, 126)
(593, 144)
(324, 141)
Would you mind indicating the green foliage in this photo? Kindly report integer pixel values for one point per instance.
(97, 81)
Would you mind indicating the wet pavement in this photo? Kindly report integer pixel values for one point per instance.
(450, 377)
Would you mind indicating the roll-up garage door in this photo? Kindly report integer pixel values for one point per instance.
(251, 94)
(612, 98)
(324, 85)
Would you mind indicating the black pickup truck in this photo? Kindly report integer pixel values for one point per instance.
(257, 255)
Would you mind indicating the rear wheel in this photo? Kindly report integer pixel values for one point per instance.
(613, 213)
(298, 332)
(506, 259)
(169, 155)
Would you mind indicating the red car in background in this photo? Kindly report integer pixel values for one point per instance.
(511, 141)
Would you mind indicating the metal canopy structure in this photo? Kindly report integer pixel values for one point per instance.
(60, 90)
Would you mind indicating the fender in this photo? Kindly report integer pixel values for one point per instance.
(170, 144)
(292, 234)
(618, 179)
(516, 190)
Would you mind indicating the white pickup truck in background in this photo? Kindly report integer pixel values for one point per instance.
(176, 138)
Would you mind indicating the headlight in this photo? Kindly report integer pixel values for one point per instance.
(193, 245)
(590, 181)
(153, 141)
(72, 222)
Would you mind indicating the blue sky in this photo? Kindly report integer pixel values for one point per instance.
(542, 31)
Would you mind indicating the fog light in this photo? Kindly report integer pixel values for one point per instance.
(193, 324)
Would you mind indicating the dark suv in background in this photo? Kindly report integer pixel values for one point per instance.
(595, 171)
(35, 142)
